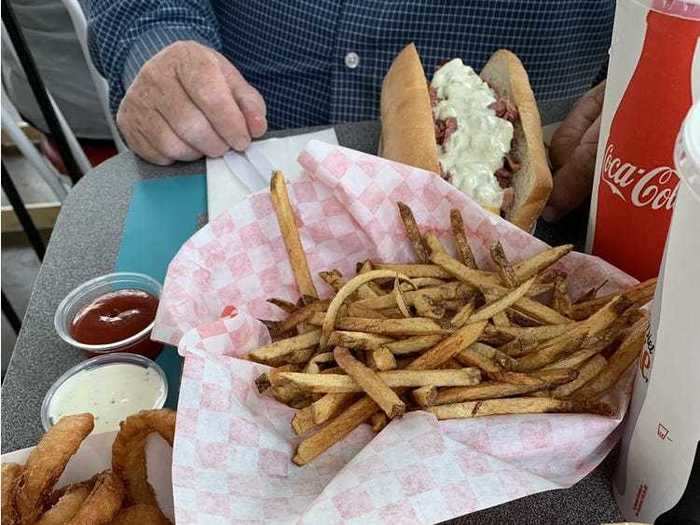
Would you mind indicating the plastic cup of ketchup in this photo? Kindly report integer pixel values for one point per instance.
(112, 313)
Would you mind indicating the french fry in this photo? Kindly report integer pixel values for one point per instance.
(463, 315)
(335, 431)
(575, 360)
(450, 290)
(489, 390)
(522, 320)
(338, 384)
(413, 344)
(332, 278)
(357, 310)
(503, 266)
(451, 364)
(464, 251)
(588, 371)
(415, 270)
(425, 396)
(490, 280)
(471, 357)
(303, 421)
(400, 300)
(300, 356)
(370, 382)
(620, 361)
(591, 293)
(569, 341)
(284, 347)
(286, 306)
(262, 382)
(537, 333)
(449, 347)
(382, 359)
(378, 421)
(476, 278)
(489, 310)
(413, 232)
(495, 354)
(519, 347)
(370, 289)
(301, 315)
(540, 312)
(345, 292)
(549, 352)
(433, 243)
(535, 264)
(392, 327)
(517, 405)
(639, 294)
(427, 282)
(560, 297)
(427, 307)
(549, 378)
(329, 405)
(312, 366)
(359, 340)
(290, 235)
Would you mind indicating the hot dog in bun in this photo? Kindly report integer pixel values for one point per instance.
(481, 132)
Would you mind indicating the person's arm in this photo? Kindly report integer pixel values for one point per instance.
(176, 97)
(123, 35)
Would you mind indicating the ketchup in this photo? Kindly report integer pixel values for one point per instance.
(116, 316)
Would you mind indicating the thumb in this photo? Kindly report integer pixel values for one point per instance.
(573, 181)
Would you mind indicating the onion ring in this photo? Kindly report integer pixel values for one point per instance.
(140, 514)
(129, 451)
(103, 502)
(46, 464)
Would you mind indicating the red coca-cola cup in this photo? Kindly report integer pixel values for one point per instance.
(648, 93)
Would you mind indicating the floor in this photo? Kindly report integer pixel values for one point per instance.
(19, 262)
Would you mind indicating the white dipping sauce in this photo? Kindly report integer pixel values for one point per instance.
(110, 392)
(475, 150)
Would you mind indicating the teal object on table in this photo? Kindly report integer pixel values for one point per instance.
(163, 214)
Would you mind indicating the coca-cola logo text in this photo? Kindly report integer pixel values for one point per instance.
(656, 188)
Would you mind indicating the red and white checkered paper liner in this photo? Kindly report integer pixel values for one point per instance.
(233, 447)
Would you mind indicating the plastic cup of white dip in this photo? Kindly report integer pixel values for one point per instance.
(111, 387)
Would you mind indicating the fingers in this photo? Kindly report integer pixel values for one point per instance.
(249, 100)
(214, 98)
(573, 127)
(150, 136)
(191, 125)
(189, 101)
(573, 181)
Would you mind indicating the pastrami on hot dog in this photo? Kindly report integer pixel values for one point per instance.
(480, 132)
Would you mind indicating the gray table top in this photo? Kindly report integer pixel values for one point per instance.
(84, 244)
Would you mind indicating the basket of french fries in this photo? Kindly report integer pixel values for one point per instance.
(368, 344)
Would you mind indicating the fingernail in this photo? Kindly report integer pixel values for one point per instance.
(550, 214)
(240, 143)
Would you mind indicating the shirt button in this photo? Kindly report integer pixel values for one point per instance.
(352, 60)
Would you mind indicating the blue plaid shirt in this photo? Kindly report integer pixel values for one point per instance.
(323, 61)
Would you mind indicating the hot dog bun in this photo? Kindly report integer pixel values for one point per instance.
(408, 133)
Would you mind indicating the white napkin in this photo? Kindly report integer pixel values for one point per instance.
(235, 175)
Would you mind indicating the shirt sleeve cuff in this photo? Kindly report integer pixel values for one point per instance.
(151, 42)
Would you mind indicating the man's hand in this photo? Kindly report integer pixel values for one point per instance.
(189, 101)
(572, 152)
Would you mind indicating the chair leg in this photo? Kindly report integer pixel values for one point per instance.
(10, 314)
(39, 89)
(8, 186)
